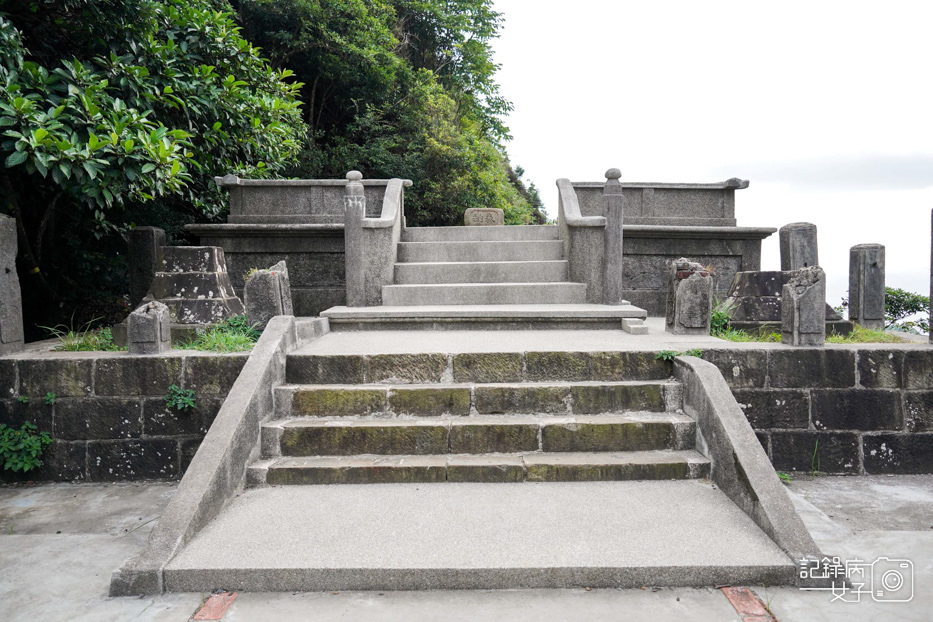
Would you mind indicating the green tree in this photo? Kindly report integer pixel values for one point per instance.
(116, 112)
(900, 305)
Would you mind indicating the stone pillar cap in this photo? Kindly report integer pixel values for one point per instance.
(613, 173)
(354, 176)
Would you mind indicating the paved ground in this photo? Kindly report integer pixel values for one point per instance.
(59, 543)
(403, 342)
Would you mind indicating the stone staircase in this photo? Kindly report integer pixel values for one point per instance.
(486, 277)
(560, 469)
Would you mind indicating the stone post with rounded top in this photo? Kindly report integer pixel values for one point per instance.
(612, 277)
(354, 203)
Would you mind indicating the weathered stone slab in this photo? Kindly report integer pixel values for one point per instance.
(483, 216)
(881, 369)
(557, 366)
(64, 378)
(471, 437)
(488, 367)
(465, 468)
(95, 418)
(430, 401)
(918, 411)
(338, 402)
(827, 452)
(617, 398)
(798, 246)
(11, 302)
(740, 368)
(774, 408)
(267, 293)
(628, 366)
(144, 249)
(407, 368)
(529, 399)
(213, 375)
(689, 299)
(596, 437)
(111, 461)
(136, 376)
(832, 369)
(324, 369)
(856, 409)
(149, 329)
(897, 453)
(803, 308)
(866, 285)
(390, 437)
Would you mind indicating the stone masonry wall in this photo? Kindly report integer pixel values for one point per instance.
(865, 410)
(109, 421)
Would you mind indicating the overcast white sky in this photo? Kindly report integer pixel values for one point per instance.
(827, 107)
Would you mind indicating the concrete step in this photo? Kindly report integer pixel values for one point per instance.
(484, 294)
(475, 536)
(482, 317)
(467, 234)
(568, 398)
(307, 366)
(481, 272)
(487, 468)
(477, 434)
(534, 250)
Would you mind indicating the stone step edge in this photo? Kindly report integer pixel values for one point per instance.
(505, 467)
(671, 398)
(612, 418)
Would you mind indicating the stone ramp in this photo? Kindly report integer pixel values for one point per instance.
(475, 536)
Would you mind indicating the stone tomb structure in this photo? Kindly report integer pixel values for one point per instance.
(296, 221)
(663, 222)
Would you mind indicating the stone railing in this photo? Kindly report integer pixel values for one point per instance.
(584, 243)
(371, 243)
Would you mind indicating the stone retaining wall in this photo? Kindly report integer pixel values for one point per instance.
(109, 421)
(864, 410)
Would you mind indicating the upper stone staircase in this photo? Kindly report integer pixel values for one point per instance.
(489, 277)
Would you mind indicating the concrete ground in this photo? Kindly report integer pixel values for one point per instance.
(60, 542)
(404, 342)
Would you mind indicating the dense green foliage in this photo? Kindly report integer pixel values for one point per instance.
(21, 450)
(115, 113)
(399, 88)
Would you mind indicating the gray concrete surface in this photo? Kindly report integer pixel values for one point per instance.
(402, 536)
(49, 576)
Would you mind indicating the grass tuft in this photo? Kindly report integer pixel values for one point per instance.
(84, 339)
(865, 335)
(233, 334)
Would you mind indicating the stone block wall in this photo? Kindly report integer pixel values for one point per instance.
(109, 421)
(865, 410)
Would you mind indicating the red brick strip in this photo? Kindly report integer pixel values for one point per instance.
(747, 604)
(216, 606)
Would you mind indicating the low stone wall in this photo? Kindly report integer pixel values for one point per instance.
(109, 421)
(859, 410)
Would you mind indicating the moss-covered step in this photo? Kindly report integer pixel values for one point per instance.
(530, 466)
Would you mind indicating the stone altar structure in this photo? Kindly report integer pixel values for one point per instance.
(756, 303)
(663, 222)
(299, 221)
(799, 247)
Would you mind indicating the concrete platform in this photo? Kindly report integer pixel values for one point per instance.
(488, 317)
(396, 537)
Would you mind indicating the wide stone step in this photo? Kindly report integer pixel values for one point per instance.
(481, 272)
(623, 534)
(515, 467)
(485, 234)
(484, 294)
(478, 434)
(536, 250)
(476, 367)
(488, 317)
(580, 398)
